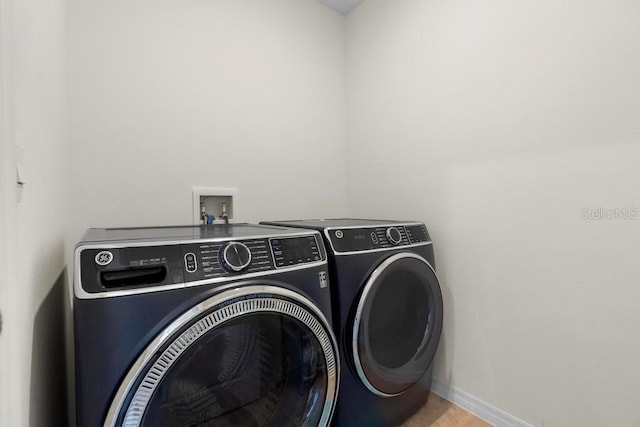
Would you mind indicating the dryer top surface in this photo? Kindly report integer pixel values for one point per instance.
(321, 224)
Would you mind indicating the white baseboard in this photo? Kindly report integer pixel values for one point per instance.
(470, 403)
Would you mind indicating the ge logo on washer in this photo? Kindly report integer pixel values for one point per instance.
(339, 234)
(104, 258)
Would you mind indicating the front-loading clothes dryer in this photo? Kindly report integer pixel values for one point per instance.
(223, 325)
(387, 316)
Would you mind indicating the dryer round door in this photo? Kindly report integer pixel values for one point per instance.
(397, 324)
(254, 356)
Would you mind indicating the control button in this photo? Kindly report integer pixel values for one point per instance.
(394, 236)
(374, 238)
(190, 263)
(339, 234)
(236, 257)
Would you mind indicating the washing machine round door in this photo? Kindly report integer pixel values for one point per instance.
(254, 356)
(397, 324)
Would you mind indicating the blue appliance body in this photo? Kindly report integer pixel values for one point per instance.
(388, 313)
(224, 324)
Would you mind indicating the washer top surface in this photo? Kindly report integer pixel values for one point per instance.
(180, 233)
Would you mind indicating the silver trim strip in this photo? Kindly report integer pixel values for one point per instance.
(292, 224)
(80, 293)
(300, 309)
(151, 242)
(355, 331)
(394, 248)
(394, 224)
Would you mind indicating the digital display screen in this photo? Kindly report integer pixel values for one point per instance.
(417, 234)
(296, 250)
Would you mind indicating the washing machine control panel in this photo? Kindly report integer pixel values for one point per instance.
(110, 269)
(376, 238)
(213, 260)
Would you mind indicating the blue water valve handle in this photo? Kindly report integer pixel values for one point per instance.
(210, 219)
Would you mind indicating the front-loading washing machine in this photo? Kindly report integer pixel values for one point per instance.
(388, 314)
(221, 325)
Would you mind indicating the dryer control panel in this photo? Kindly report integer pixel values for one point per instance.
(112, 269)
(345, 240)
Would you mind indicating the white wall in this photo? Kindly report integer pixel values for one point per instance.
(496, 123)
(166, 96)
(33, 54)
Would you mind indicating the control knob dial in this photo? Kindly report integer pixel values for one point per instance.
(236, 257)
(394, 236)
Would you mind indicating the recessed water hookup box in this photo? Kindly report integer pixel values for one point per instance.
(216, 202)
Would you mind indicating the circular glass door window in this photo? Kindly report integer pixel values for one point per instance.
(262, 360)
(397, 324)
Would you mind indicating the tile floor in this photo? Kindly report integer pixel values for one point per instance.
(439, 412)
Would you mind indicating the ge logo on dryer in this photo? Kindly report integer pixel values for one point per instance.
(104, 258)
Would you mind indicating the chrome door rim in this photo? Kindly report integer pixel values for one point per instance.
(358, 318)
(266, 299)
